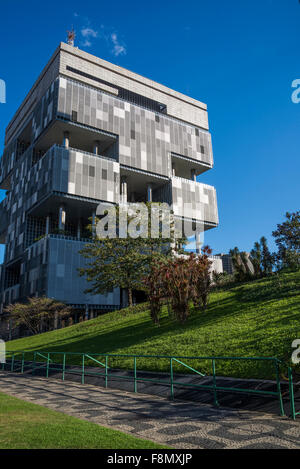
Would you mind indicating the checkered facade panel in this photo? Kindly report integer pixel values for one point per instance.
(84, 174)
(194, 200)
(146, 138)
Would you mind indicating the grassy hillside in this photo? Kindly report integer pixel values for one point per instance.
(259, 318)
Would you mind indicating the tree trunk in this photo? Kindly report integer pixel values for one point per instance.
(130, 297)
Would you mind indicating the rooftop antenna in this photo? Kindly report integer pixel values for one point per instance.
(71, 37)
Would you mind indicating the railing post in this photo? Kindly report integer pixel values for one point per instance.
(216, 403)
(12, 362)
(279, 388)
(291, 391)
(22, 366)
(48, 359)
(106, 370)
(172, 378)
(82, 375)
(64, 367)
(135, 382)
(34, 362)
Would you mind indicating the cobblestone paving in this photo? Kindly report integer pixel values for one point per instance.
(179, 424)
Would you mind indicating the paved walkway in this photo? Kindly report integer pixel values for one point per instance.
(178, 424)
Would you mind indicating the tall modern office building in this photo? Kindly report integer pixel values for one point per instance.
(90, 131)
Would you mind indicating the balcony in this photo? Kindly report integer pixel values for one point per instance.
(194, 200)
(84, 174)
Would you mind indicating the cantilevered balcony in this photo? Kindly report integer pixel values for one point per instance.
(194, 200)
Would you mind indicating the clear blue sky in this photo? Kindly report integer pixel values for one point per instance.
(239, 57)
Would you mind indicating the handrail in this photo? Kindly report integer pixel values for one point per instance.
(214, 387)
(187, 366)
(92, 358)
(292, 396)
(187, 357)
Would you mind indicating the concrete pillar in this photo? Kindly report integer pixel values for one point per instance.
(96, 148)
(66, 142)
(193, 175)
(149, 192)
(124, 190)
(94, 223)
(86, 312)
(62, 218)
(47, 225)
(124, 298)
(198, 242)
(79, 229)
(173, 169)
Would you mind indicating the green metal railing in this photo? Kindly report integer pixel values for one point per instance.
(292, 395)
(50, 365)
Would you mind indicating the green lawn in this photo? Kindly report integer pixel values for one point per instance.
(29, 426)
(259, 318)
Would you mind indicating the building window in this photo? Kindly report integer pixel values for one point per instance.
(74, 116)
(157, 118)
(132, 135)
(202, 149)
(104, 174)
(197, 132)
(91, 171)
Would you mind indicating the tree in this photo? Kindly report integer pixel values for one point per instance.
(201, 277)
(256, 259)
(287, 239)
(37, 311)
(155, 291)
(267, 260)
(124, 261)
(180, 280)
(240, 263)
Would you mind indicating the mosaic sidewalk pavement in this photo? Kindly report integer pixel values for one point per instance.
(179, 424)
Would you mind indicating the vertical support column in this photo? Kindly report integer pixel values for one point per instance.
(124, 190)
(124, 298)
(193, 175)
(86, 312)
(62, 218)
(173, 169)
(66, 142)
(79, 229)
(149, 192)
(96, 147)
(198, 242)
(94, 223)
(47, 229)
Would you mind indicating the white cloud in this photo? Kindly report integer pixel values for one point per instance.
(88, 34)
(118, 48)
